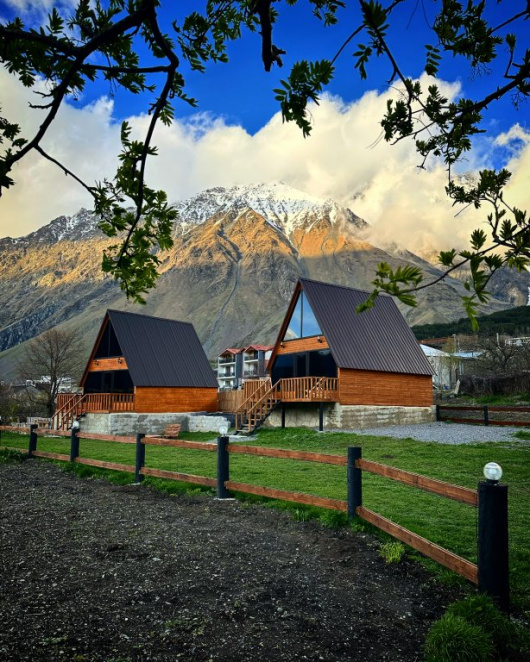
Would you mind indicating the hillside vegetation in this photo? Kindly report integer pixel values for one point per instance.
(512, 322)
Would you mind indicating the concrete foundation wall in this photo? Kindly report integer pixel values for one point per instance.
(129, 423)
(345, 417)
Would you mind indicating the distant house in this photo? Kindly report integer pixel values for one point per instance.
(229, 368)
(235, 365)
(368, 367)
(444, 365)
(148, 364)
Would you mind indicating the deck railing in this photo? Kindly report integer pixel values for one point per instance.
(108, 402)
(308, 389)
(77, 405)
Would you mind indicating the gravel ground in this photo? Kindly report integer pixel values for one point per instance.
(95, 572)
(444, 433)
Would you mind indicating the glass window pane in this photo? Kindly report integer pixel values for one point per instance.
(310, 326)
(295, 325)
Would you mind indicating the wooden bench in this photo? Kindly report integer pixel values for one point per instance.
(172, 430)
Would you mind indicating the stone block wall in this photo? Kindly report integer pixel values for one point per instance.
(346, 417)
(198, 423)
(130, 423)
(363, 416)
(299, 415)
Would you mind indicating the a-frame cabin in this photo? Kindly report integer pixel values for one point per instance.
(149, 365)
(327, 352)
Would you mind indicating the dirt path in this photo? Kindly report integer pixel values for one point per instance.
(92, 571)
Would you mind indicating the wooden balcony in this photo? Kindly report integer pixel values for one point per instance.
(308, 389)
(98, 402)
(70, 406)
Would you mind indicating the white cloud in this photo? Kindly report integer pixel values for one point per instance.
(342, 159)
(39, 7)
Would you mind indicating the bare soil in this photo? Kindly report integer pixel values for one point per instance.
(94, 571)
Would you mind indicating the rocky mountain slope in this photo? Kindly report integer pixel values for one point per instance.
(237, 255)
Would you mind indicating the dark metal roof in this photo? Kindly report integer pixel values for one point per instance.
(161, 352)
(378, 339)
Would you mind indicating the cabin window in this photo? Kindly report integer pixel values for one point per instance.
(304, 364)
(109, 345)
(283, 367)
(303, 322)
(109, 381)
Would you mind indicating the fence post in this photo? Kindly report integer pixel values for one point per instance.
(486, 415)
(32, 439)
(493, 574)
(223, 467)
(438, 417)
(140, 458)
(355, 481)
(74, 443)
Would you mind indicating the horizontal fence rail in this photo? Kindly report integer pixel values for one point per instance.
(443, 556)
(486, 415)
(490, 573)
(455, 492)
(304, 456)
(294, 497)
(179, 443)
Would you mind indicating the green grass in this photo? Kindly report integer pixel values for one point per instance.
(445, 522)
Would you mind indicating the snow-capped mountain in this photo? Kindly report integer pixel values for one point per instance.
(282, 206)
(81, 225)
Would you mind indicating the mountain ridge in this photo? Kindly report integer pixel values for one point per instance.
(231, 271)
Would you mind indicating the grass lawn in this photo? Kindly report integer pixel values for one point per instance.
(448, 523)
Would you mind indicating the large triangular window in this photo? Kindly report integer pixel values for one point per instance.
(108, 345)
(303, 322)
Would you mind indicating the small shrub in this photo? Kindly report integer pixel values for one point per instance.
(301, 515)
(392, 552)
(479, 610)
(453, 639)
(358, 525)
(333, 519)
(8, 455)
(522, 434)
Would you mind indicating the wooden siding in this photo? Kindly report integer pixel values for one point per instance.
(365, 387)
(114, 363)
(302, 345)
(151, 399)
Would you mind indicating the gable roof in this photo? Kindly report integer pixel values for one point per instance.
(378, 339)
(160, 352)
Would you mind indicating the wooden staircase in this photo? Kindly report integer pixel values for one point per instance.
(66, 414)
(257, 407)
(266, 398)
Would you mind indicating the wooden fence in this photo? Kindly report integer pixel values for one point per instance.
(490, 573)
(230, 401)
(484, 415)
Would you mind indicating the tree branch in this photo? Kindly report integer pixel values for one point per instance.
(90, 189)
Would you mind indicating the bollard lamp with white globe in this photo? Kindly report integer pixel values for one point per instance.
(223, 430)
(492, 472)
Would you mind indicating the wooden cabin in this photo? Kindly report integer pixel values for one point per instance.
(146, 364)
(327, 352)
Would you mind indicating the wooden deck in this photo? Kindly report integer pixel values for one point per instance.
(70, 406)
(308, 389)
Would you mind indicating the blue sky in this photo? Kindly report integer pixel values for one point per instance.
(242, 92)
(236, 136)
